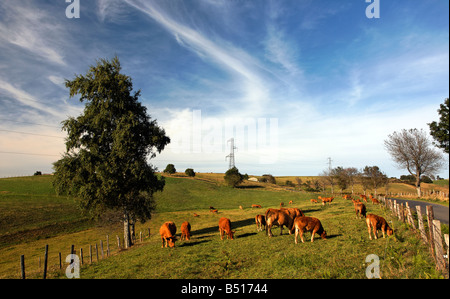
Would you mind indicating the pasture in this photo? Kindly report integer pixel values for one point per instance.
(56, 221)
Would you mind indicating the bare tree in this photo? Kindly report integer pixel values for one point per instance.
(328, 178)
(374, 176)
(352, 174)
(412, 150)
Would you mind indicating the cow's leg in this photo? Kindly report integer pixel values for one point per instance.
(375, 232)
(269, 230)
(296, 235)
(281, 230)
(301, 236)
(368, 228)
(312, 234)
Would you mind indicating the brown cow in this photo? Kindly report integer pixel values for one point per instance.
(378, 223)
(363, 197)
(280, 218)
(313, 200)
(293, 212)
(225, 227)
(260, 222)
(309, 224)
(256, 206)
(326, 199)
(360, 209)
(213, 211)
(167, 232)
(185, 231)
(374, 200)
(347, 197)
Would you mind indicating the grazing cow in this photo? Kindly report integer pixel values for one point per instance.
(374, 200)
(225, 227)
(256, 206)
(326, 199)
(260, 223)
(281, 204)
(185, 231)
(167, 232)
(293, 212)
(213, 211)
(280, 218)
(196, 215)
(363, 197)
(347, 197)
(291, 202)
(360, 209)
(309, 224)
(211, 208)
(378, 223)
(313, 200)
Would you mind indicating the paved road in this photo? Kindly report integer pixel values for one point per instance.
(441, 212)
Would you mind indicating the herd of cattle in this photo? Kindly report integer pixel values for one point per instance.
(292, 218)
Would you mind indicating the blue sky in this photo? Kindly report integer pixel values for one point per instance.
(294, 82)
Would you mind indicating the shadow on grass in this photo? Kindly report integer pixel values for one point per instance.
(250, 187)
(193, 243)
(215, 229)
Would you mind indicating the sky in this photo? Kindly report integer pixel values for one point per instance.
(294, 82)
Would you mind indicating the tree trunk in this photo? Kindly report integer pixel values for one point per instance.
(126, 230)
(419, 193)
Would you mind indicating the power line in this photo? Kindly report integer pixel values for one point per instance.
(29, 154)
(26, 133)
(28, 122)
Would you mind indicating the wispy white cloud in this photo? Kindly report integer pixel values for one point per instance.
(29, 28)
(243, 67)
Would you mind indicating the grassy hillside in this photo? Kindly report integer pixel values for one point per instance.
(250, 255)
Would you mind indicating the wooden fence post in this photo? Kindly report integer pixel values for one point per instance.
(60, 261)
(446, 242)
(101, 247)
(107, 245)
(22, 265)
(440, 262)
(118, 242)
(45, 261)
(430, 218)
(90, 253)
(410, 217)
(423, 235)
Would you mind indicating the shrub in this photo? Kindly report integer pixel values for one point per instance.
(170, 169)
(189, 172)
(269, 178)
(233, 177)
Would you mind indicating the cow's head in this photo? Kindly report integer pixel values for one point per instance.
(171, 241)
(390, 231)
(231, 234)
(323, 235)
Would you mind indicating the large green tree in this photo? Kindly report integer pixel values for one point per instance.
(440, 130)
(108, 147)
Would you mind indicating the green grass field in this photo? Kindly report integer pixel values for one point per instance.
(29, 207)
